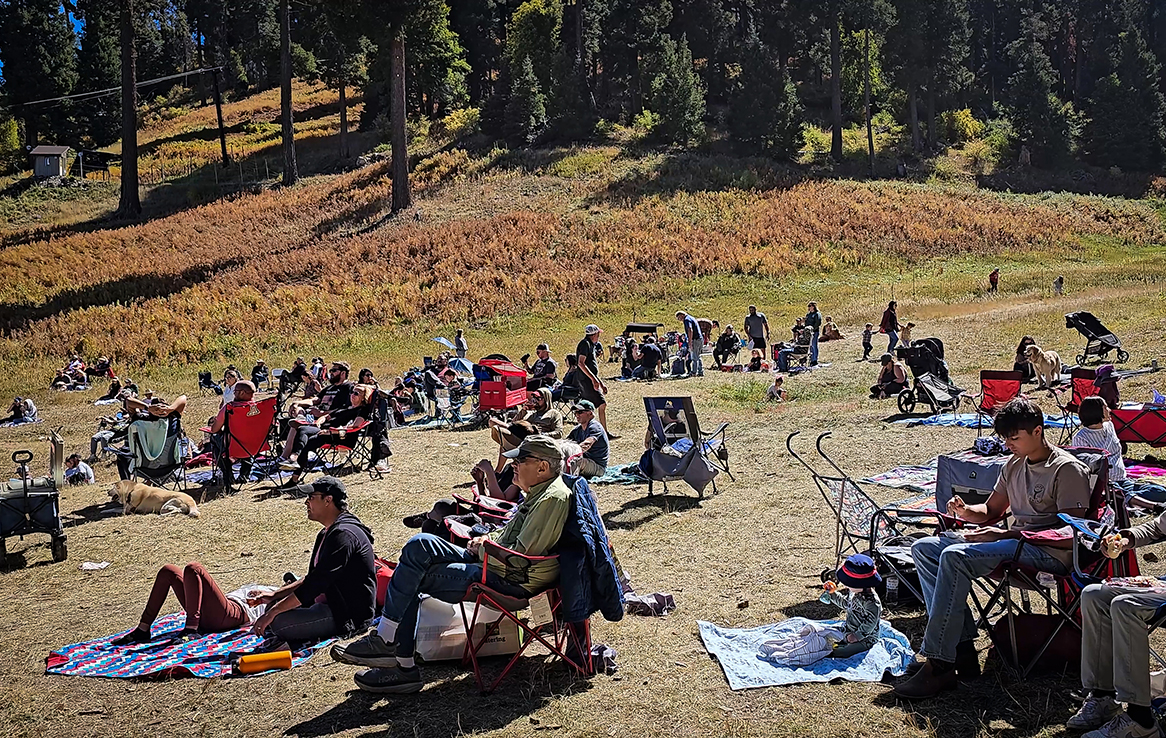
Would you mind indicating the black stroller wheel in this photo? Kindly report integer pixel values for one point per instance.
(1081, 359)
(60, 549)
(906, 402)
(1123, 356)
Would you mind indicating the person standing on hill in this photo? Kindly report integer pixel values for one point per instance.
(695, 343)
(814, 325)
(890, 325)
(994, 280)
(591, 387)
(757, 329)
(1059, 285)
(460, 347)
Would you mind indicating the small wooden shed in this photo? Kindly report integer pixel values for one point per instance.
(50, 161)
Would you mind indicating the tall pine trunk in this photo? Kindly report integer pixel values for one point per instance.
(291, 171)
(130, 204)
(866, 93)
(836, 86)
(932, 103)
(402, 198)
(201, 60)
(343, 117)
(913, 108)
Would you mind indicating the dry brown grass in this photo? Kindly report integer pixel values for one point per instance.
(762, 539)
(265, 269)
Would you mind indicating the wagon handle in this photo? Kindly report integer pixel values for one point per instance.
(21, 457)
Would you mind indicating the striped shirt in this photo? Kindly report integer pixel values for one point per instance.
(1104, 438)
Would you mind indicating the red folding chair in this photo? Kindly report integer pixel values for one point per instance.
(354, 448)
(1082, 384)
(247, 433)
(570, 642)
(996, 389)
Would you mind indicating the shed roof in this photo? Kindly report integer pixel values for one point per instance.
(50, 151)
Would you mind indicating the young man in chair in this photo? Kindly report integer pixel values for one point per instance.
(432, 566)
(1037, 483)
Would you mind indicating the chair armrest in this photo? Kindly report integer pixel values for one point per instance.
(719, 430)
(509, 556)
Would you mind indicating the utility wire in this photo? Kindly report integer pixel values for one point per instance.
(113, 90)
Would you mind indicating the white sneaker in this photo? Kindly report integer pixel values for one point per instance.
(1123, 726)
(1096, 711)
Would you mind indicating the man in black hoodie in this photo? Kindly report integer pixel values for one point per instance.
(337, 597)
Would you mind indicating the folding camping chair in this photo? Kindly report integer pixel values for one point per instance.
(860, 525)
(246, 437)
(1065, 601)
(677, 441)
(207, 385)
(996, 389)
(162, 467)
(354, 448)
(1082, 384)
(556, 618)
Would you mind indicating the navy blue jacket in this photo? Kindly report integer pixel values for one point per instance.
(587, 573)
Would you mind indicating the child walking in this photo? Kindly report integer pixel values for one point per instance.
(867, 338)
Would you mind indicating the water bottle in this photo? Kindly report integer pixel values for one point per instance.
(892, 588)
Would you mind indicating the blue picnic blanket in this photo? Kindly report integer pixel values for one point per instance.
(969, 420)
(205, 657)
(738, 651)
(625, 474)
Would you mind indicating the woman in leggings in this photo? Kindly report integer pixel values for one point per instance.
(310, 438)
(208, 610)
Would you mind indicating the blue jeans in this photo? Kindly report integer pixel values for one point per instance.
(783, 359)
(814, 348)
(432, 566)
(641, 373)
(695, 365)
(946, 569)
(892, 339)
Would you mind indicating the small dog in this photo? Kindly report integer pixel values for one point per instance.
(1046, 363)
(136, 497)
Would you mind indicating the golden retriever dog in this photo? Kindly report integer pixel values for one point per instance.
(136, 497)
(1046, 363)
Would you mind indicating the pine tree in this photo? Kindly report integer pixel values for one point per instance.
(1126, 112)
(437, 61)
(534, 33)
(677, 96)
(1039, 117)
(526, 112)
(765, 114)
(99, 66)
(40, 61)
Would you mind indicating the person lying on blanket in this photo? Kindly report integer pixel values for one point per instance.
(1036, 484)
(208, 609)
(429, 565)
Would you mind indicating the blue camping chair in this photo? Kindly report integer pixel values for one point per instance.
(680, 450)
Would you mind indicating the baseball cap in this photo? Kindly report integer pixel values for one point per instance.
(542, 347)
(327, 487)
(539, 446)
(592, 329)
(583, 406)
(243, 384)
(343, 365)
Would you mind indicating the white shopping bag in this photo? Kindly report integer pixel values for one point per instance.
(441, 634)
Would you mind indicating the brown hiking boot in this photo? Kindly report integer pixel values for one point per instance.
(926, 684)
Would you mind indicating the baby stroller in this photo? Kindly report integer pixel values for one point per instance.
(1099, 340)
(932, 382)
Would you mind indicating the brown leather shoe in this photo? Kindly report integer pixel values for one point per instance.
(926, 684)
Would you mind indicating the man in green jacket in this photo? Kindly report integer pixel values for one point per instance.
(430, 565)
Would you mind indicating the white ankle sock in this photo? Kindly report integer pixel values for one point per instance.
(405, 663)
(387, 630)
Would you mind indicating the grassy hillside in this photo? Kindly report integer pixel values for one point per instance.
(498, 234)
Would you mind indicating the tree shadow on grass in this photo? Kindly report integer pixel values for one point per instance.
(693, 172)
(634, 513)
(450, 705)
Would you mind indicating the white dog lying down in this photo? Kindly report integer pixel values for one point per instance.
(136, 497)
(1046, 363)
